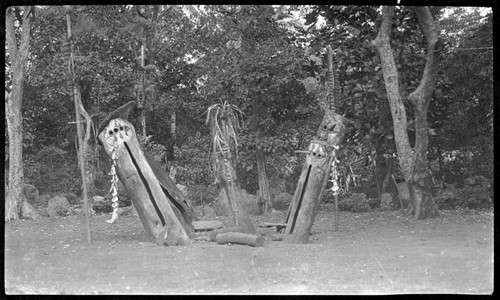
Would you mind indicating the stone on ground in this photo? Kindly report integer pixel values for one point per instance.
(43, 200)
(31, 193)
(282, 201)
(208, 213)
(72, 198)
(58, 206)
(386, 201)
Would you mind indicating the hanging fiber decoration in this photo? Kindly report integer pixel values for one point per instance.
(114, 182)
(334, 173)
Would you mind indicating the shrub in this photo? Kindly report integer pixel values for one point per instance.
(354, 203)
(51, 170)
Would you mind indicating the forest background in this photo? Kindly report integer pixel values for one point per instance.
(270, 62)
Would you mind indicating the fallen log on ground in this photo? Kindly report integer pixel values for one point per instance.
(214, 233)
(240, 238)
(206, 225)
(278, 226)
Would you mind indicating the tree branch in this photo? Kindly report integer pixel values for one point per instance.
(28, 19)
(472, 49)
(422, 95)
(11, 36)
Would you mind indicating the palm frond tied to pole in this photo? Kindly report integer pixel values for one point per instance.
(224, 120)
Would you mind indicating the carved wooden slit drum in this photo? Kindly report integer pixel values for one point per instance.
(164, 212)
(313, 179)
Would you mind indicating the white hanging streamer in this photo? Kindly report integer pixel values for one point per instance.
(334, 174)
(114, 182)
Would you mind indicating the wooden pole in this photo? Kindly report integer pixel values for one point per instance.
(336, 212)
(332, 107)
(143, 110)
(80, 138)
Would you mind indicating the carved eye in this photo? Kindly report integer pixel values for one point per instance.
(325, 127)
(111, 132)
(121, 128)
(115, 130)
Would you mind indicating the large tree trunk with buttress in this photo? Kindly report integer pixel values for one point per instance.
(18, 57)
(413, 162)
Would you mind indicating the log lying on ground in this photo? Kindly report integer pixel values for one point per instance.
(278, 226)
(277, 237)
(206, 225)
(214, 233)
(240, 238)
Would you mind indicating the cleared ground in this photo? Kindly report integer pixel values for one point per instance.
(372, 253)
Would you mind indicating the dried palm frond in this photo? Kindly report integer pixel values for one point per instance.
(224, 120)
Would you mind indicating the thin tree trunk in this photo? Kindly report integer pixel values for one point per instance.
(264, 192)
(388, 174)
(380, 169)
(143, 122)
(173, 134)
(18, 58)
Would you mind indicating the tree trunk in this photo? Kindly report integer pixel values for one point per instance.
(380, 169)
(413, 161)
(264, 191)
(173, 137)
(18, 58)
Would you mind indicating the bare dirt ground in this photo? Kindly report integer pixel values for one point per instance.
(372, 253)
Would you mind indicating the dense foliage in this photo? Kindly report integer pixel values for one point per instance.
(270, 62)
